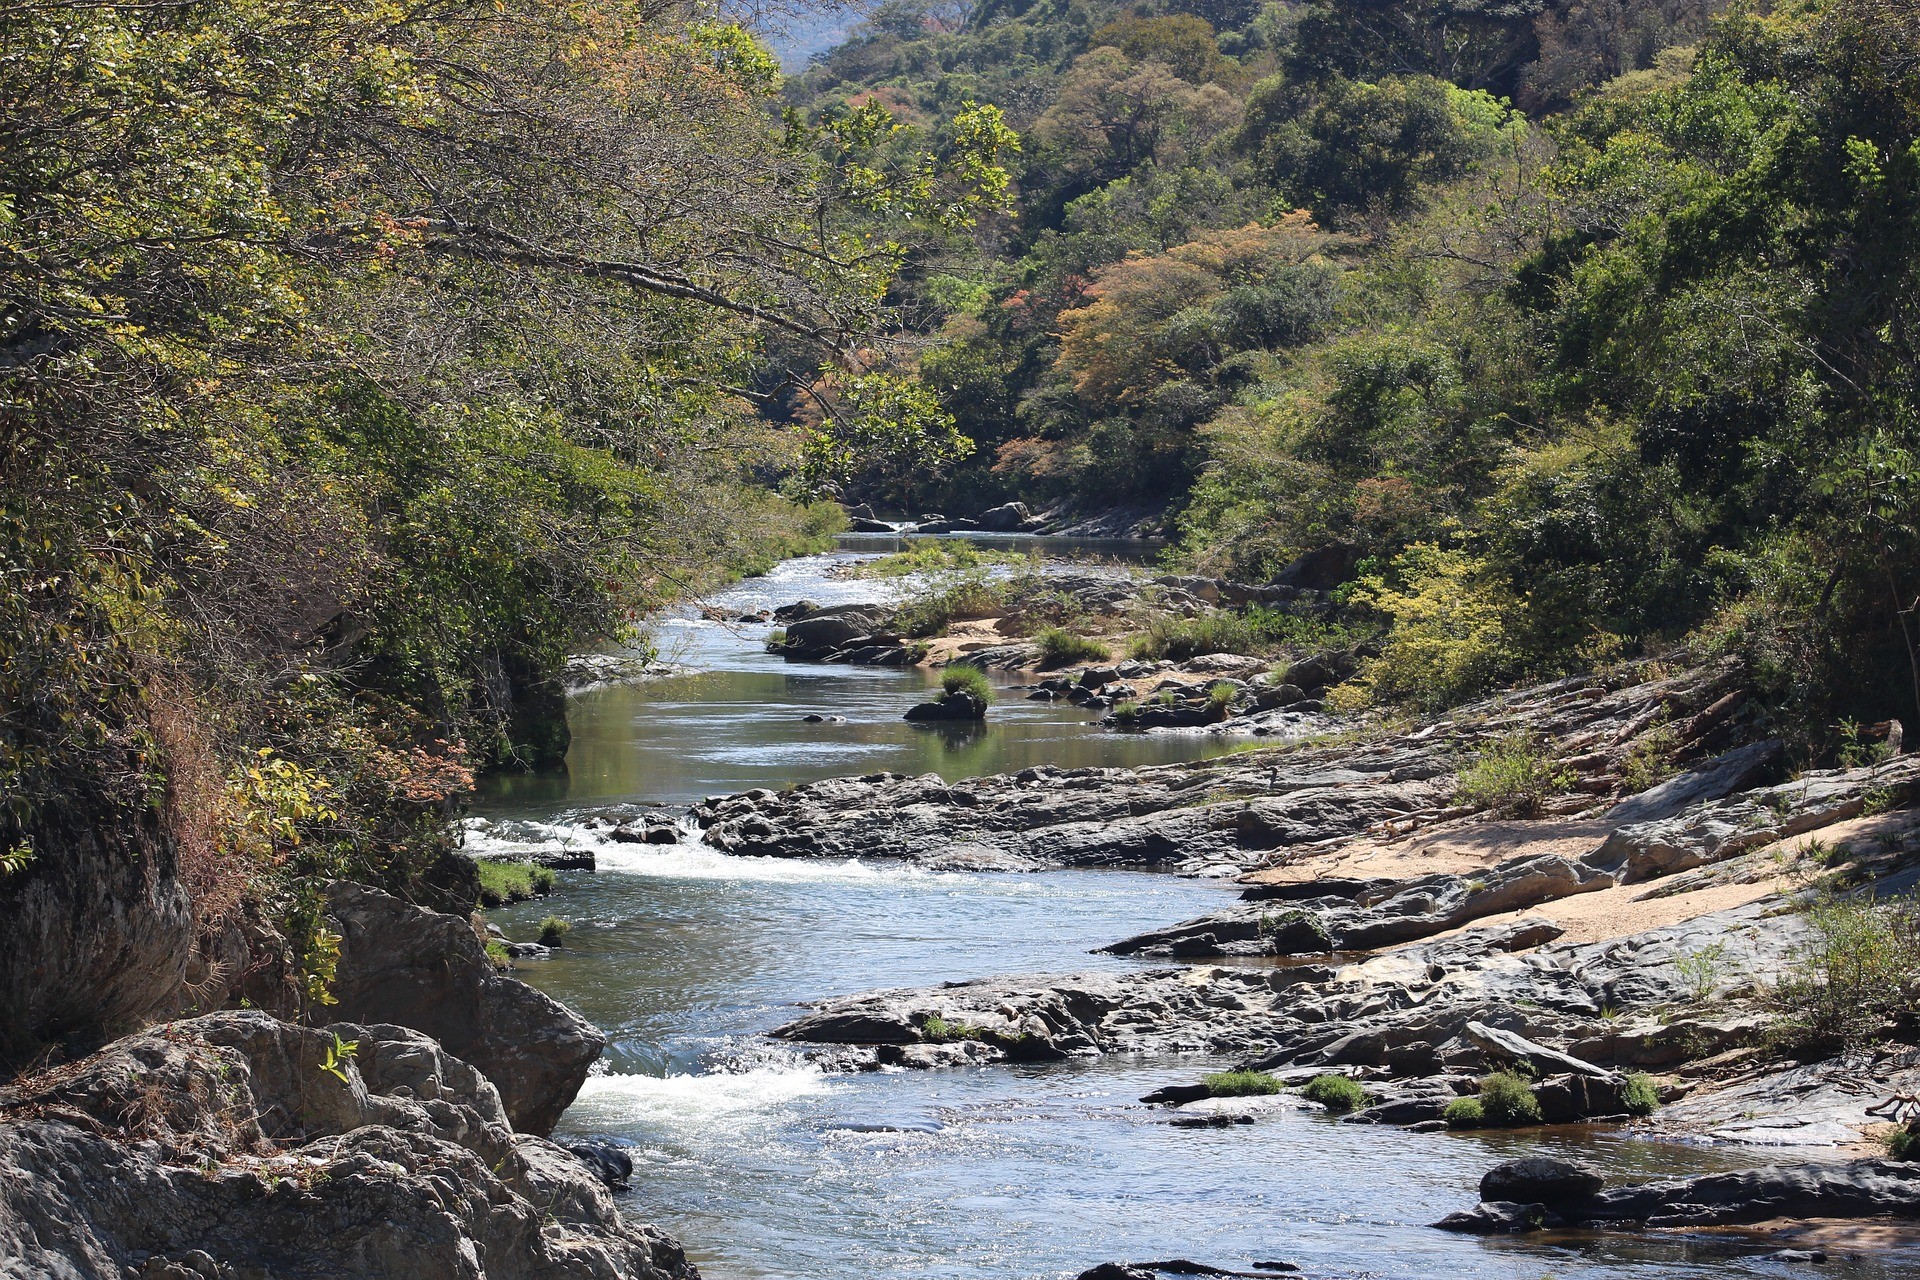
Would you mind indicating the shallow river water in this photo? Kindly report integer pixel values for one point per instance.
(767, 1168)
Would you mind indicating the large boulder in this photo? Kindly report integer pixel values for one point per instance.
(1541, 1180)
(1006, 518)
(827, 631)
(240, 1147)
(98, 929)
(429, 971)
(958, 706)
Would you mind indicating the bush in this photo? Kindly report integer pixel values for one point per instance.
(1517, 775)
(1240, 1084)
(505, 882)
(1859, 969)
(1178, 639)
(967, 679)
(1338, 1094)
(497, 953)
(969, 595)
(1507, 1099)
(1464, 1113)
(1903, 1144)
(933, 555)
(1127, 712)
(1449, 637)
(1220, 697)
(1640, 1095)
(554, 931)
(1059, 647)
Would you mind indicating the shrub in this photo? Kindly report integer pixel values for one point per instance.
(1240, 1084)
(1515, 775)
(933, 555)
(1449, 635)
(1464, 1113)
(1220, 697)
(966, 679)
(1640, 1095)
(1338, 1094)
(554, 931)
(967, 595)
(497, 953)
(1059, 647)
(1903, 1144)
(505, 882)
(1127, 712)
(1859, 968)
(1507, 1099)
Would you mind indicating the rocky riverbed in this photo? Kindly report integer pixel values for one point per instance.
(1612, 948)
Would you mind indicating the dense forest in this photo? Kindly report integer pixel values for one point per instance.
(1578, 329)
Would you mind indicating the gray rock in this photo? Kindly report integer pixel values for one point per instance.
(956, 706)
(1721, 776)
(1859, 1189)
(241, 1147)
(1542, 1180)
(1006, 518)
(421, 969)
(1500, 1217)
(608, 1161)
(1512, 1047)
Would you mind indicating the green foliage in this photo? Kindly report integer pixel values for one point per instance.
(1858, 971)
(938, 1030)
(1125, 713)
(1701, 969)
(506, 882)
(886, 433)
(1507, 1099)
(1255, 631)
(1220, 697)
(338, 1054)
(1338, 1094)
(554, 931)
(1518, 775)
(1903, 1144)
(1059, 648)
(1240, 1084)
(1464, 1113)
(1642, 1097)
(498, 955)
(1449, 635)
(934, 555)
(952, 599)
(961, 678)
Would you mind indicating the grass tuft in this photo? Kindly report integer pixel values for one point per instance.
(505, 882)
(966, 679)
(1059, 647)
(1338, 1094)
(1241, 1084)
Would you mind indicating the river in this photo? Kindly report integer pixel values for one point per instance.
(767, 1168)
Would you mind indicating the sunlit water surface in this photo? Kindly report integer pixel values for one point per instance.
(768, 1168)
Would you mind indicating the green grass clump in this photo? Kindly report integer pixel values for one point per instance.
(1464, 1113)
(966, 679)
(1254, 630)
(1127, 712)
(497, 953)
(1641, 1097)
(1058, 647)
(1240, 1084)
(1516, 775)
(554, 931)
(934, 556)
(1902, 1144)
(1220, 697)
(1338, 1094)
(938, 1030)
(504, 882)
(1507, 1099)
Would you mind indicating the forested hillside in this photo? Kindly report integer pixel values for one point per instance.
(1579, 328)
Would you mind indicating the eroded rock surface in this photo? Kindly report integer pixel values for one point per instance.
(430, 971)
(239, 1147)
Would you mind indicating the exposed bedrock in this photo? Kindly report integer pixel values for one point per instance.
(1328, 915)
(1235, 812)
(239, 1147)
(1402, 1013)
(429, 971)
(1526, 1195)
